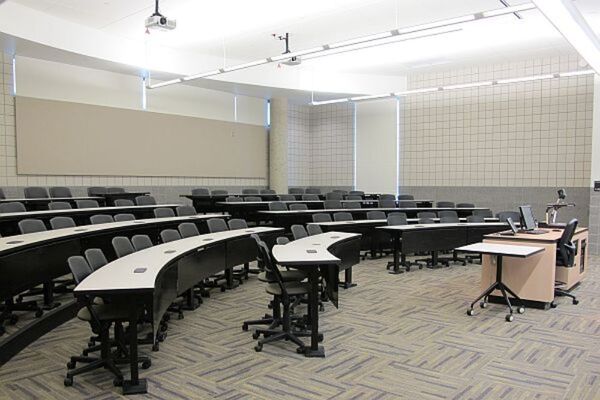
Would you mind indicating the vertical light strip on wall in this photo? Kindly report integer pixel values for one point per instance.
(397, 147)
(268, 113)
(144, 94)
(354, 147)
(14, 76)
(235, 108)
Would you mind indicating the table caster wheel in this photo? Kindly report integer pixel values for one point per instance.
(39, 313)
(146, 364)
(255, 335)
(258, 348)
(71, 365)
(407, 269)
(223, 288)
(509, 318)
(320, 337)
(470, 312)
(13, 319)
(483, 304)
(575, 301)
(521, 310)
(68, 381)
(553, 305)
(118, 381)
(321, 308)
(155, 347)
(180, 315)
(245, 327)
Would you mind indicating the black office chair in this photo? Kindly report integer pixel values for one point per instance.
(387, 203)
(216, 225)
(296, 190)
(31, 225)
(394, 219)
(35, 192)
(332, 204)
(12, 207)
(145, 201)
(475, 218)
(60, 191)
(299, 232)
(101, 219)
(342, 216)
(406, 197)
(451, 217)
(407, 204)
(449, 213)
(122, 246)
(504, 215)
(200, 192)
(426, 214)
(95, 258)
(298, 207)
(565, 257)
(62, 222)
(359, 193)
(321, 217)
(277, 206)
(234, 199)
(86, 204)
(445, 204)
(164, 212)
(465, 205)
(267, 191)
(96, 190)
(387, 197)
(237, 223)
(380, 241)
(114, 190)
(188, 229)
(59, 205)
(124, 217)
(185, 211)
(353, 205)
(312, 191)
(372, 215)
(2, 195)
(282, 240)
(124, 203)
(356, 197)
(287, 197)
(249, 191)
(252, 198)
(426, 220)
(334, 196)
(486, 213)
(310, 197)
(313, 229)
(219, 192)
(169, 235)
(341, 191)
(141, 242)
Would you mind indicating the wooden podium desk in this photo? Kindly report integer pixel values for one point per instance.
(533, 278)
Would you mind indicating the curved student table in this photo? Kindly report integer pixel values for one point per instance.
(325, 254)
(8, 221)
(111, 197)
(27, 261)
(154, 277)
(39, 203)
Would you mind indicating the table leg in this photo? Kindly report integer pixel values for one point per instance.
(396, 269)
(134, 385)
(347, 284)
(313, 311)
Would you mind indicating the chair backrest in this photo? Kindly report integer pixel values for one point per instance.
(79, 268)
(141, 242)
(184, 211)
(216, 225)
(124, 217)
(249, 191)
(234, 199)
(122, 246)
(124, 203)
(164, 212)
(342, 216)
(334, 196)
(313, 229)
(504, 215)
(449, 219)
(287, 197)
(406, 197)
(95, 258)
(352, 204)
(277, 206)
(312, 191)
(396, 219)
(59, 205)
(60, 191)
(267, 191)
(445, 204)
(299, 231)
(31, 225)
(426, 214)
(321, 217)
(188, 229)
(465, 205)
(298, 207)
(169, 235)
(62, 222)
(387, 197)
(35, 192)
(354, 197)
(342, 191)
(565, 250)
(114, 189)
(332, 204)
(356, 193)
(200, 192)
(273, 275)
(375, 215)
(237, 223)
(253, 198)
(11, 207)
(281, 240)
(485, 213)
(219, 192)
(296, 190)
(407, 204)
(389, 203)
(86, 204)
(475, 218)
(145, 201)
(2, 195)
(426, 220)
(447, 213)
(96, 190)
(101, 219)
(310, 197)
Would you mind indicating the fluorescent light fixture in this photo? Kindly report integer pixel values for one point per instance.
(334, 101)
(417, 91)
(354, 147)
(14, 75)
(363, 39)
(567, 19)
(371, 97)
(202, 75)
(397, 147)
(576, 73)
(508, 10)
(244, 66)
(525, 79)
(165, 83)
(467, 85)
(144, 98)
(438, 24)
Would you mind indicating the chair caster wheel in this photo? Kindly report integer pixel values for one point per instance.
(521, 310)
(553, 305)
(68, 381)
(300, 350)
(245, 327)
(509, 318)
(483, 304)
(407, 269)
(223, 288)
(180, 315)
(258, 348)
(575, 301)
(320, 338)
(166, 317)
(13, 319)
(321, 308)
(255, 335)
(464, 263)
(71, 365)
(118, 382)
(155, 347)
(470, 312)
(146, 364)
(39, 313)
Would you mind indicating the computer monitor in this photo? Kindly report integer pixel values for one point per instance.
(527, 220)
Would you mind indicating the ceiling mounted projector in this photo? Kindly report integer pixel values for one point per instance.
(159, 21)
(292, 61)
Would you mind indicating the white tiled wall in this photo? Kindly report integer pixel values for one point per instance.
(532, 134)
(299, 151)
(8, 168)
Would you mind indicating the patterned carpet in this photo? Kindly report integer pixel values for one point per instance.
(394, 337)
